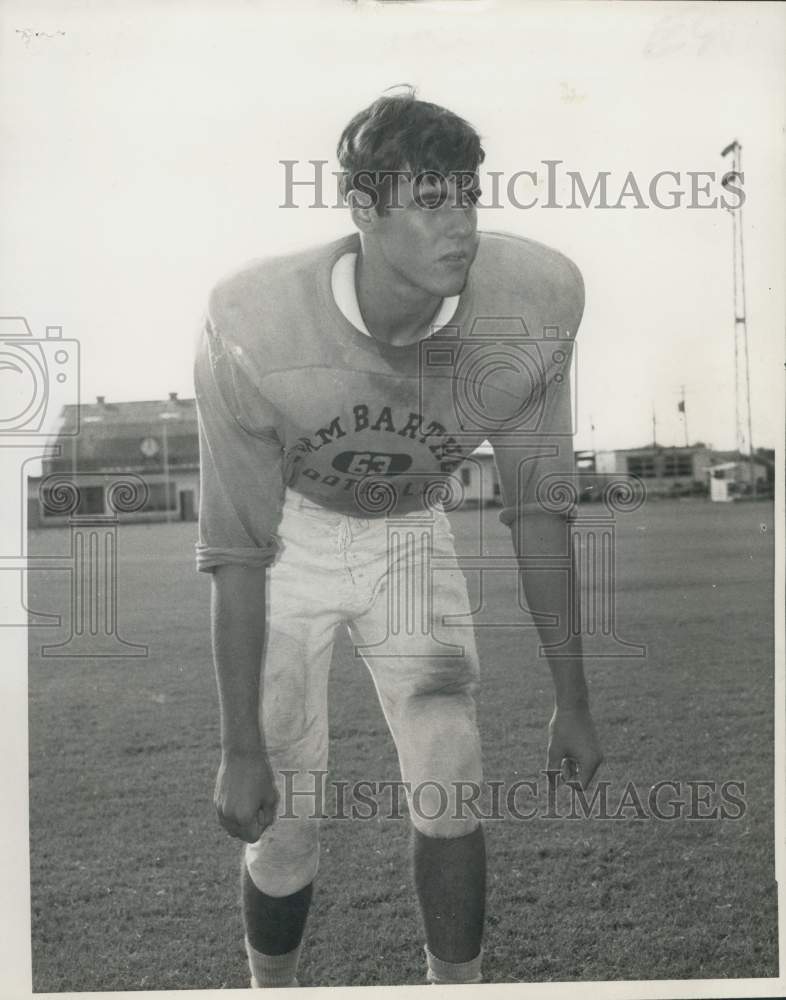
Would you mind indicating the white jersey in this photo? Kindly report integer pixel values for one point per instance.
(290, 393)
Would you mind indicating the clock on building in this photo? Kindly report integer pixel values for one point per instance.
(149, 447)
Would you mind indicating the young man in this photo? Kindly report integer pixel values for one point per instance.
(338, 390)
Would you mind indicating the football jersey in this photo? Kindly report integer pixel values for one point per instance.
(291, 394)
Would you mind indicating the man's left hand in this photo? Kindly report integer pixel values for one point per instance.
(574, 747)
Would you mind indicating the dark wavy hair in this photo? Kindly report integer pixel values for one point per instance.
(397, 132)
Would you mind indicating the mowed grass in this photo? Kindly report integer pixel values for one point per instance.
(134, 885)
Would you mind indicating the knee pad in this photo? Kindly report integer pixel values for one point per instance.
(285, 859)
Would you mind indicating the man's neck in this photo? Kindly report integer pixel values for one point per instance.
(394, 313)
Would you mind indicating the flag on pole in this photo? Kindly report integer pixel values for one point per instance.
(681, 406)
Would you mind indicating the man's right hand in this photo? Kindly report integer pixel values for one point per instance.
(245, 796)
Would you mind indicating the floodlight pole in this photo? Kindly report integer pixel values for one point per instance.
(742, 382)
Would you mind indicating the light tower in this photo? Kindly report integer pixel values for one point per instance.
(742, 383)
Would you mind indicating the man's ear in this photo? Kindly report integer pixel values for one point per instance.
(361, 206)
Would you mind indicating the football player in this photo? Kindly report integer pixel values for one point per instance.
(338, 390)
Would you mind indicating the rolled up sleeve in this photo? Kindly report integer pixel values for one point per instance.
(240, 461)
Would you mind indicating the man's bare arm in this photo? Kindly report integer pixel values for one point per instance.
(245, 795)
(572, 732)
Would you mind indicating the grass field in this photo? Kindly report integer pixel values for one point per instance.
(134, 885)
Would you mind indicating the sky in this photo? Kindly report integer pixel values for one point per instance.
(141, 147)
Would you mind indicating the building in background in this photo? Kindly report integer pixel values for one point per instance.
(731, 475)
(688, 471)
(664, 471)
(157, 440)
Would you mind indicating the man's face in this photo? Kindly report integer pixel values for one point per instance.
(429, 234)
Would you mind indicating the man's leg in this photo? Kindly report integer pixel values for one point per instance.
(450, 879)
(274, 925)
(429, 702)
(278, 871)
(274, 932)
(280, 868)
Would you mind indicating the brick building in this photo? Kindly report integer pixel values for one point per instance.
(154, 440)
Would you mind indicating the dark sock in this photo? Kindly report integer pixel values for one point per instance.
(274, 925)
